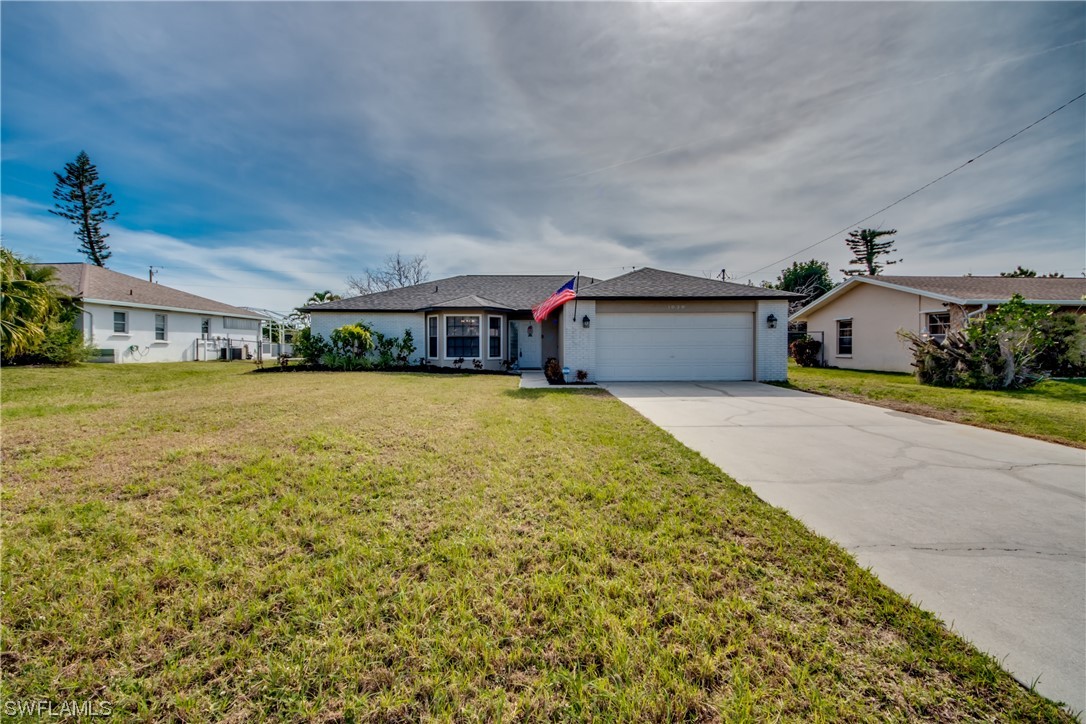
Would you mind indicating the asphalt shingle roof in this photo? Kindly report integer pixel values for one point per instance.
(87, 281)
(995, 288)
(522, 292)
(508, 292)
(649, 283)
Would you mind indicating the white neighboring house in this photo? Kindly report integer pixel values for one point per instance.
(131, 320)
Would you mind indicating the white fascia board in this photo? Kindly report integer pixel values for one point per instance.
(1051, 302)
(842, 288)
(139, 305)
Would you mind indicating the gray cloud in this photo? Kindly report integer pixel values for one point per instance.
(556, 136)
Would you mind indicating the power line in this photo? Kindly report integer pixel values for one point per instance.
(817, 106)
(914, 193)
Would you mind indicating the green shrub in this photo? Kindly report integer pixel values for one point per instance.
(309, 346)
(345, 361)
(61, 342)
(1063, 353)
(356, 339)
(999, 350)
(384, 348)
(357, 347)
(405, 347)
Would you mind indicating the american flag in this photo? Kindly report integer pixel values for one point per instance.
(560, 297)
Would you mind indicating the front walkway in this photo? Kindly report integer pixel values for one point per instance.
(533, 379)
(985, 529)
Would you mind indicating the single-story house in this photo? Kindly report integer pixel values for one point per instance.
(644, 325)
(131, 320)
(857, 322)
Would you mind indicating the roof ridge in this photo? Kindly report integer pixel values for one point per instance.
(101, 284)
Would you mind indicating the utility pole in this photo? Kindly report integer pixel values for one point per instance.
(723, 275)
(151, 271)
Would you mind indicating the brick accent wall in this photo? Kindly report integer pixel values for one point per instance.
(578, 343)
(771, 353)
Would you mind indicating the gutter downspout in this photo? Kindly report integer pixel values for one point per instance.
(982, 310)
(91, 315)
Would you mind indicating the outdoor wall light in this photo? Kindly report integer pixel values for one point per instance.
(586, 321)
(771, 321)
(529, 330)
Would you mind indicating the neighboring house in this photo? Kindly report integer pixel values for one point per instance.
(645, 325)
(858, 321)
(131, 320)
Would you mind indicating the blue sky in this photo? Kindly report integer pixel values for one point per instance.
(260, 151)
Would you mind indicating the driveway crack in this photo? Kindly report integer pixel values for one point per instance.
(970, 549)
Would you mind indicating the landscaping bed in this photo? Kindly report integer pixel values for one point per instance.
(428, 369)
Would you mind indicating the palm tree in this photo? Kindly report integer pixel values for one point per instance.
(28, 302)
(321, 297)
(300, 318)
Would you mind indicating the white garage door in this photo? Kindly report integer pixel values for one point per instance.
(675, 346)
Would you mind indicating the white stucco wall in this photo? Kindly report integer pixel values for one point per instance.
(182, 332)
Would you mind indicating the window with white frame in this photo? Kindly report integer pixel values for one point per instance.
(120, 322)
(239, 323)
(431, 337)
(494, 325)
(160, 327)
(462, 336)
(844, 336)
(938, 324)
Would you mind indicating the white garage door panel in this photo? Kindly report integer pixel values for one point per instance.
(675, 346)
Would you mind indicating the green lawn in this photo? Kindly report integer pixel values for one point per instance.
(1052, 410)
(193, 542)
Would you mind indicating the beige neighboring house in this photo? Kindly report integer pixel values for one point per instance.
(857, 322)
(127, 319)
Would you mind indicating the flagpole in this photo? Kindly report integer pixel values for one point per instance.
(576, 288)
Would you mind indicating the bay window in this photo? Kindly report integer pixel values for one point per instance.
(431, 337)
(494, 327)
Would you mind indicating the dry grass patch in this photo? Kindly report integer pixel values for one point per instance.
(188, 541)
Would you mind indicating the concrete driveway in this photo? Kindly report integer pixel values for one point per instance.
(986, 530)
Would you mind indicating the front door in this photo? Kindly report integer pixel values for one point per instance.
(524, 344)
